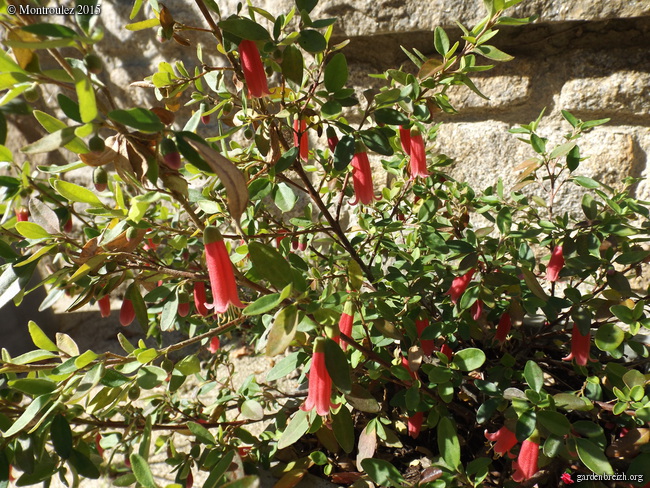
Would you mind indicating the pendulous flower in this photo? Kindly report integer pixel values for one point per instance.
(418, 165)
(332, 139)
(405, 139)
(505, 440)
(251, 64)
(222, 277)
(362, 179)
(319, 393)
(345, 324)
(459, 285)
(526, 463)
(580, 347)
(104, 306)
(555, 265)
(214, 345)
(300, 138)
(200, 298)
(428, 345)
(414, 424)
(504, 327)
(477, 309)
(446, 350)
(127, 312)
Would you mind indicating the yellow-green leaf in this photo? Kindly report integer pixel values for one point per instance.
(76, 193)
(86, 96)
(30, 230)
(39, 338)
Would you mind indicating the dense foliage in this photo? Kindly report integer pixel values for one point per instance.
(425, 319)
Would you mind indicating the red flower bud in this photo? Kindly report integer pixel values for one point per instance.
(200, 298)
(300, 138)
(345, 324)
(555, 265)
(104, 305)
(214, 345)
(22, 214)
(332, 139)
(253, 69)
(459, 285)
(446, 350)
(415, 424)
(222, 277)
(319, 393)
(183, 309)
(477, 309)
(503, 328)
(67, 227)
(127, 312)
(428, 345)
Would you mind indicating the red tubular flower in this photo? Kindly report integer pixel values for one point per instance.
(405, 139)
(222, 278)
(104, 305)
(504, 327)
(580, 347)
(418, 156)
(214, 345)
(300, 138)
(345, 324)
(526, 463)
(127, 312)
(459, 285)
(505, 440)
(477, 309)
(555, 265)
(183, 309)
(332, 139)
(405, 364)
(320, 384)
(362, 179)
(251, 64)
(446, 350)
(100, 449)
(427, 344)
(200, 298)
(415, 424)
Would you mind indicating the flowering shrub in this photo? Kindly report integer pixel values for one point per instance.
(436, 320)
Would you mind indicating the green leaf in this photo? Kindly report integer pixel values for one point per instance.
(337, 366)
(492, 53)
(33, 356)
(469, 359)
(264, 304)
(344, 152)
(269, 264)
(586, 182)
(534, 376)
(609, 336)
(285, 161)
(61, 436)
(361, 399)
(50, 142)
(69, 107)
(201, 433)
(312, 41)
(555, 422)
(538, 143)
(86, 96)
(150, 377)
(142, 471)
(286, 365)
(189, 365)
(448, 442)
(83, 465)
(219, 470)
(382, 472)
(30, 230)
(250, 481)
(336, 73)
(390, 116)
(533, 284)
(504, 220)
(593, 457)
(244, 28)
(38, 404)
(139, 118)
(343, 428)
(562, 150)
(284, 197)
(50, 30)
(282, 331)
(76, 193)
(293, 64)
(306, 5)
(252, 409)
(440, 40)
(33, 386)
(376, 140)
(295, 430)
